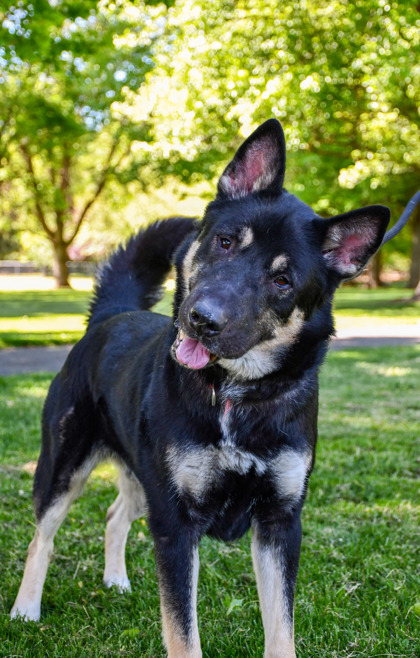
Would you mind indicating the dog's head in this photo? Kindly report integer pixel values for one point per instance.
(263, 263)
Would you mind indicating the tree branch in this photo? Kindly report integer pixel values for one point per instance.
(65, 181)
(39, 211)
(100, 186)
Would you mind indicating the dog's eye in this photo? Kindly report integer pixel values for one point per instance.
(225, 243)
(282, 283)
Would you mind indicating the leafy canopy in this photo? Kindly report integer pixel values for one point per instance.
(65, 68)
(343, 77)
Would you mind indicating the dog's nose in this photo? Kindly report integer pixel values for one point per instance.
(207, 319)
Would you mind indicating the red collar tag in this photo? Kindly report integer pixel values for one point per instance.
(228, 407)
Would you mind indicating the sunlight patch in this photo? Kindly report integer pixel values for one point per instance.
(391, 371)
(105, 471)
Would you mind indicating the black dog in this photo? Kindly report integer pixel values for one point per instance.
(211, 415)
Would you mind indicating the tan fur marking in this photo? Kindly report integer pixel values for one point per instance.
(176, 644)
(278, 630)
(287, 333)
(28, 600)
(258, 361)
(246, 237)
(279, 263)
(187, 264)
(129, 505)
(289, 471)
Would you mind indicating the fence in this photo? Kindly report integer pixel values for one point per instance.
(30, 267)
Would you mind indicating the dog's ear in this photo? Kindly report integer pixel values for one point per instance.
(349, 241)
(258, 165)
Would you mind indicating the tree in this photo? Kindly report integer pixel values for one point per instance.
(343, 78)
(414, 281)
(65, 69)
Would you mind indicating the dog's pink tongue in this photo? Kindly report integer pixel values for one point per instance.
(193, 354)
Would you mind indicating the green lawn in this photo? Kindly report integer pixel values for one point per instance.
(380, 306)
(357, 591)
(58, 316)
(51, 317)
(39, 317)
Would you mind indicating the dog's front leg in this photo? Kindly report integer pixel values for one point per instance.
(275, 554)
(177, 569)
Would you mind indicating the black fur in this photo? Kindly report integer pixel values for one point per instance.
(258, 285)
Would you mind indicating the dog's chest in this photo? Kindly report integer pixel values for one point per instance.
(197, 470)
(200, 470)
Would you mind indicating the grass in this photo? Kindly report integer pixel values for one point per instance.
(357, 591)
(380, 306)
(41, 317)
(48, 317)
(54, 317)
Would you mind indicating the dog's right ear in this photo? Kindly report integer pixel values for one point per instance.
(258, 166)
(350, 240)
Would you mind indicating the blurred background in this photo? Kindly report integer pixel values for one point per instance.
(115, 113)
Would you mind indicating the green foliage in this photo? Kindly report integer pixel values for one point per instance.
(65, 67)
(343, 78)
(100, 99)
(9, 243)
(357, 589)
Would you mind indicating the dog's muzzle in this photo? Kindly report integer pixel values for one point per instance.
(191, 353)
(205, 320)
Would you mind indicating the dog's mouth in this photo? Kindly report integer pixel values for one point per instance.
(191, 353)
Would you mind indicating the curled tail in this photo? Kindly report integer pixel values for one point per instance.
(132, 278)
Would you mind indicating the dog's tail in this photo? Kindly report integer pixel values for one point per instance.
(132, 278)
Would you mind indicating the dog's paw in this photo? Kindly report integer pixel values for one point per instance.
(121, 582)
(26, 612)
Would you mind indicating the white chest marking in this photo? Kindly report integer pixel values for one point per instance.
(195, 470)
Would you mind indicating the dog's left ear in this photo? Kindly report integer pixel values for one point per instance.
(349, 241)
(258, 165)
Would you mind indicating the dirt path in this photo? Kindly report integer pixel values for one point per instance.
(22, 360)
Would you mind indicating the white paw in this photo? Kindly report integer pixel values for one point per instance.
(27, 612)
(121, 582)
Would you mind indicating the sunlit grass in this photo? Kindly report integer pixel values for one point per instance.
(388, 304)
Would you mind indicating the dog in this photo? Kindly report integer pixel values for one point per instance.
(211, 415)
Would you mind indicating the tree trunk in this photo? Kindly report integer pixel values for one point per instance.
(374, 271)
(414, 279)
(60, 269)
(416, 296)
